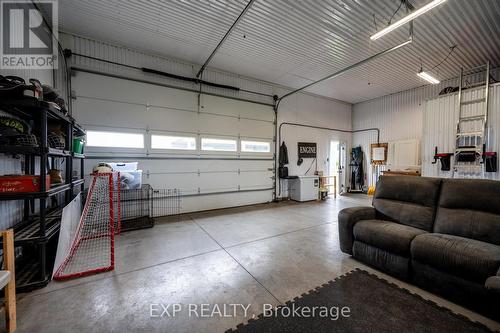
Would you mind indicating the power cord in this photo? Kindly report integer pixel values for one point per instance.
(389, 21)
(310, 166)
(61, 52)
(452, 48)
(394, 14)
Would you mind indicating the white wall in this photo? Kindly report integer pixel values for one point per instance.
(303, 108)
(399, 116)
(310, 110)
(440, 118)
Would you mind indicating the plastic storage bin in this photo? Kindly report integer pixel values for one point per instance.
(123, 166)
(130, 180)
(130, 177)
(22, 184)
(78, 146)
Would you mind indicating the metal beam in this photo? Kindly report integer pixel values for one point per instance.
(186, 158)
(117, 76)
(249, 4)
(227, 192)
(342, 71)
(329, 129)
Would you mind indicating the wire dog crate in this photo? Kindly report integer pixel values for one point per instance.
(165, 202)
(139, 207)
(135, 208)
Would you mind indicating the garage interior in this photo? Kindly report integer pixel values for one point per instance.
(250, 165)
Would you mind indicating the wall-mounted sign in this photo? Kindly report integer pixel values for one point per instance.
(307, 149)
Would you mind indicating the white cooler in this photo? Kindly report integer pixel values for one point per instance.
(130, 177)
(304, 188)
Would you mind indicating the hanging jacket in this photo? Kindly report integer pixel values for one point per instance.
(283, 156)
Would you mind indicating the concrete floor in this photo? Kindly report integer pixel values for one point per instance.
(263, 254)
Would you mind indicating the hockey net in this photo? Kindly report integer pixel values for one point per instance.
(92, 244)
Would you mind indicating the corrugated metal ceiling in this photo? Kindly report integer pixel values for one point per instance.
(295, 42)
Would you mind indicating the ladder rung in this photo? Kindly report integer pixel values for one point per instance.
(457, 163)
(481, 84)
(475, 68)
(479, 134)
(470, 118)
(464, 149)
(468, 166)
(474, 101)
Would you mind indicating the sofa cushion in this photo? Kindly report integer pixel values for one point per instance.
(467, 258)
(408, 200)
(493, 283)
(457, 289)
(470, 208)
(348, 217)
(385, 261)
(386, 235)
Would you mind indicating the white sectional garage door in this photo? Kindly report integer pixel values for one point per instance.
(208, 179)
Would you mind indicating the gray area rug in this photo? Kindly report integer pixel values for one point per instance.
(375, 306)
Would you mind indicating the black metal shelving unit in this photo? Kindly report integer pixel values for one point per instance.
(37, 228)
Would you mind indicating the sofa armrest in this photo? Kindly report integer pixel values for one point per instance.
(347, 219)
(493, 282)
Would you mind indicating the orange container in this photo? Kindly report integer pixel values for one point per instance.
(21, 184)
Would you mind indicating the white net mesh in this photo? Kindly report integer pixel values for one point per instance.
(92, 246)
(117, 205)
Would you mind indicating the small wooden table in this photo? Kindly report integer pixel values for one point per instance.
(324, 185)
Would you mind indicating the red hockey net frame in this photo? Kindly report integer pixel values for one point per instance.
(93, 245)
(117, 208)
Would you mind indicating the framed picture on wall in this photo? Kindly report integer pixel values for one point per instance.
(378, 153)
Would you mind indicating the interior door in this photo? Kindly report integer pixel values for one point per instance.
(342, 167)
(336, 165)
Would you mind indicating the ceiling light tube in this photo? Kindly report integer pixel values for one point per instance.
(427, 77)
(407, 18)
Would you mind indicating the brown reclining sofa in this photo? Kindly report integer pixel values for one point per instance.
(440, 234)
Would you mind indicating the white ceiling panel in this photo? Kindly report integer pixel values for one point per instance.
(293, 42)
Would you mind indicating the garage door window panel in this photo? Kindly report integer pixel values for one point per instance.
(218, 144)
(170, 142)
(252, 146)
(106, 139)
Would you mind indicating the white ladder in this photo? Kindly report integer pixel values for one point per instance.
(470, 139)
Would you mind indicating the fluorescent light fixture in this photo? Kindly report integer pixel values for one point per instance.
(407, 18)
(427, 77)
